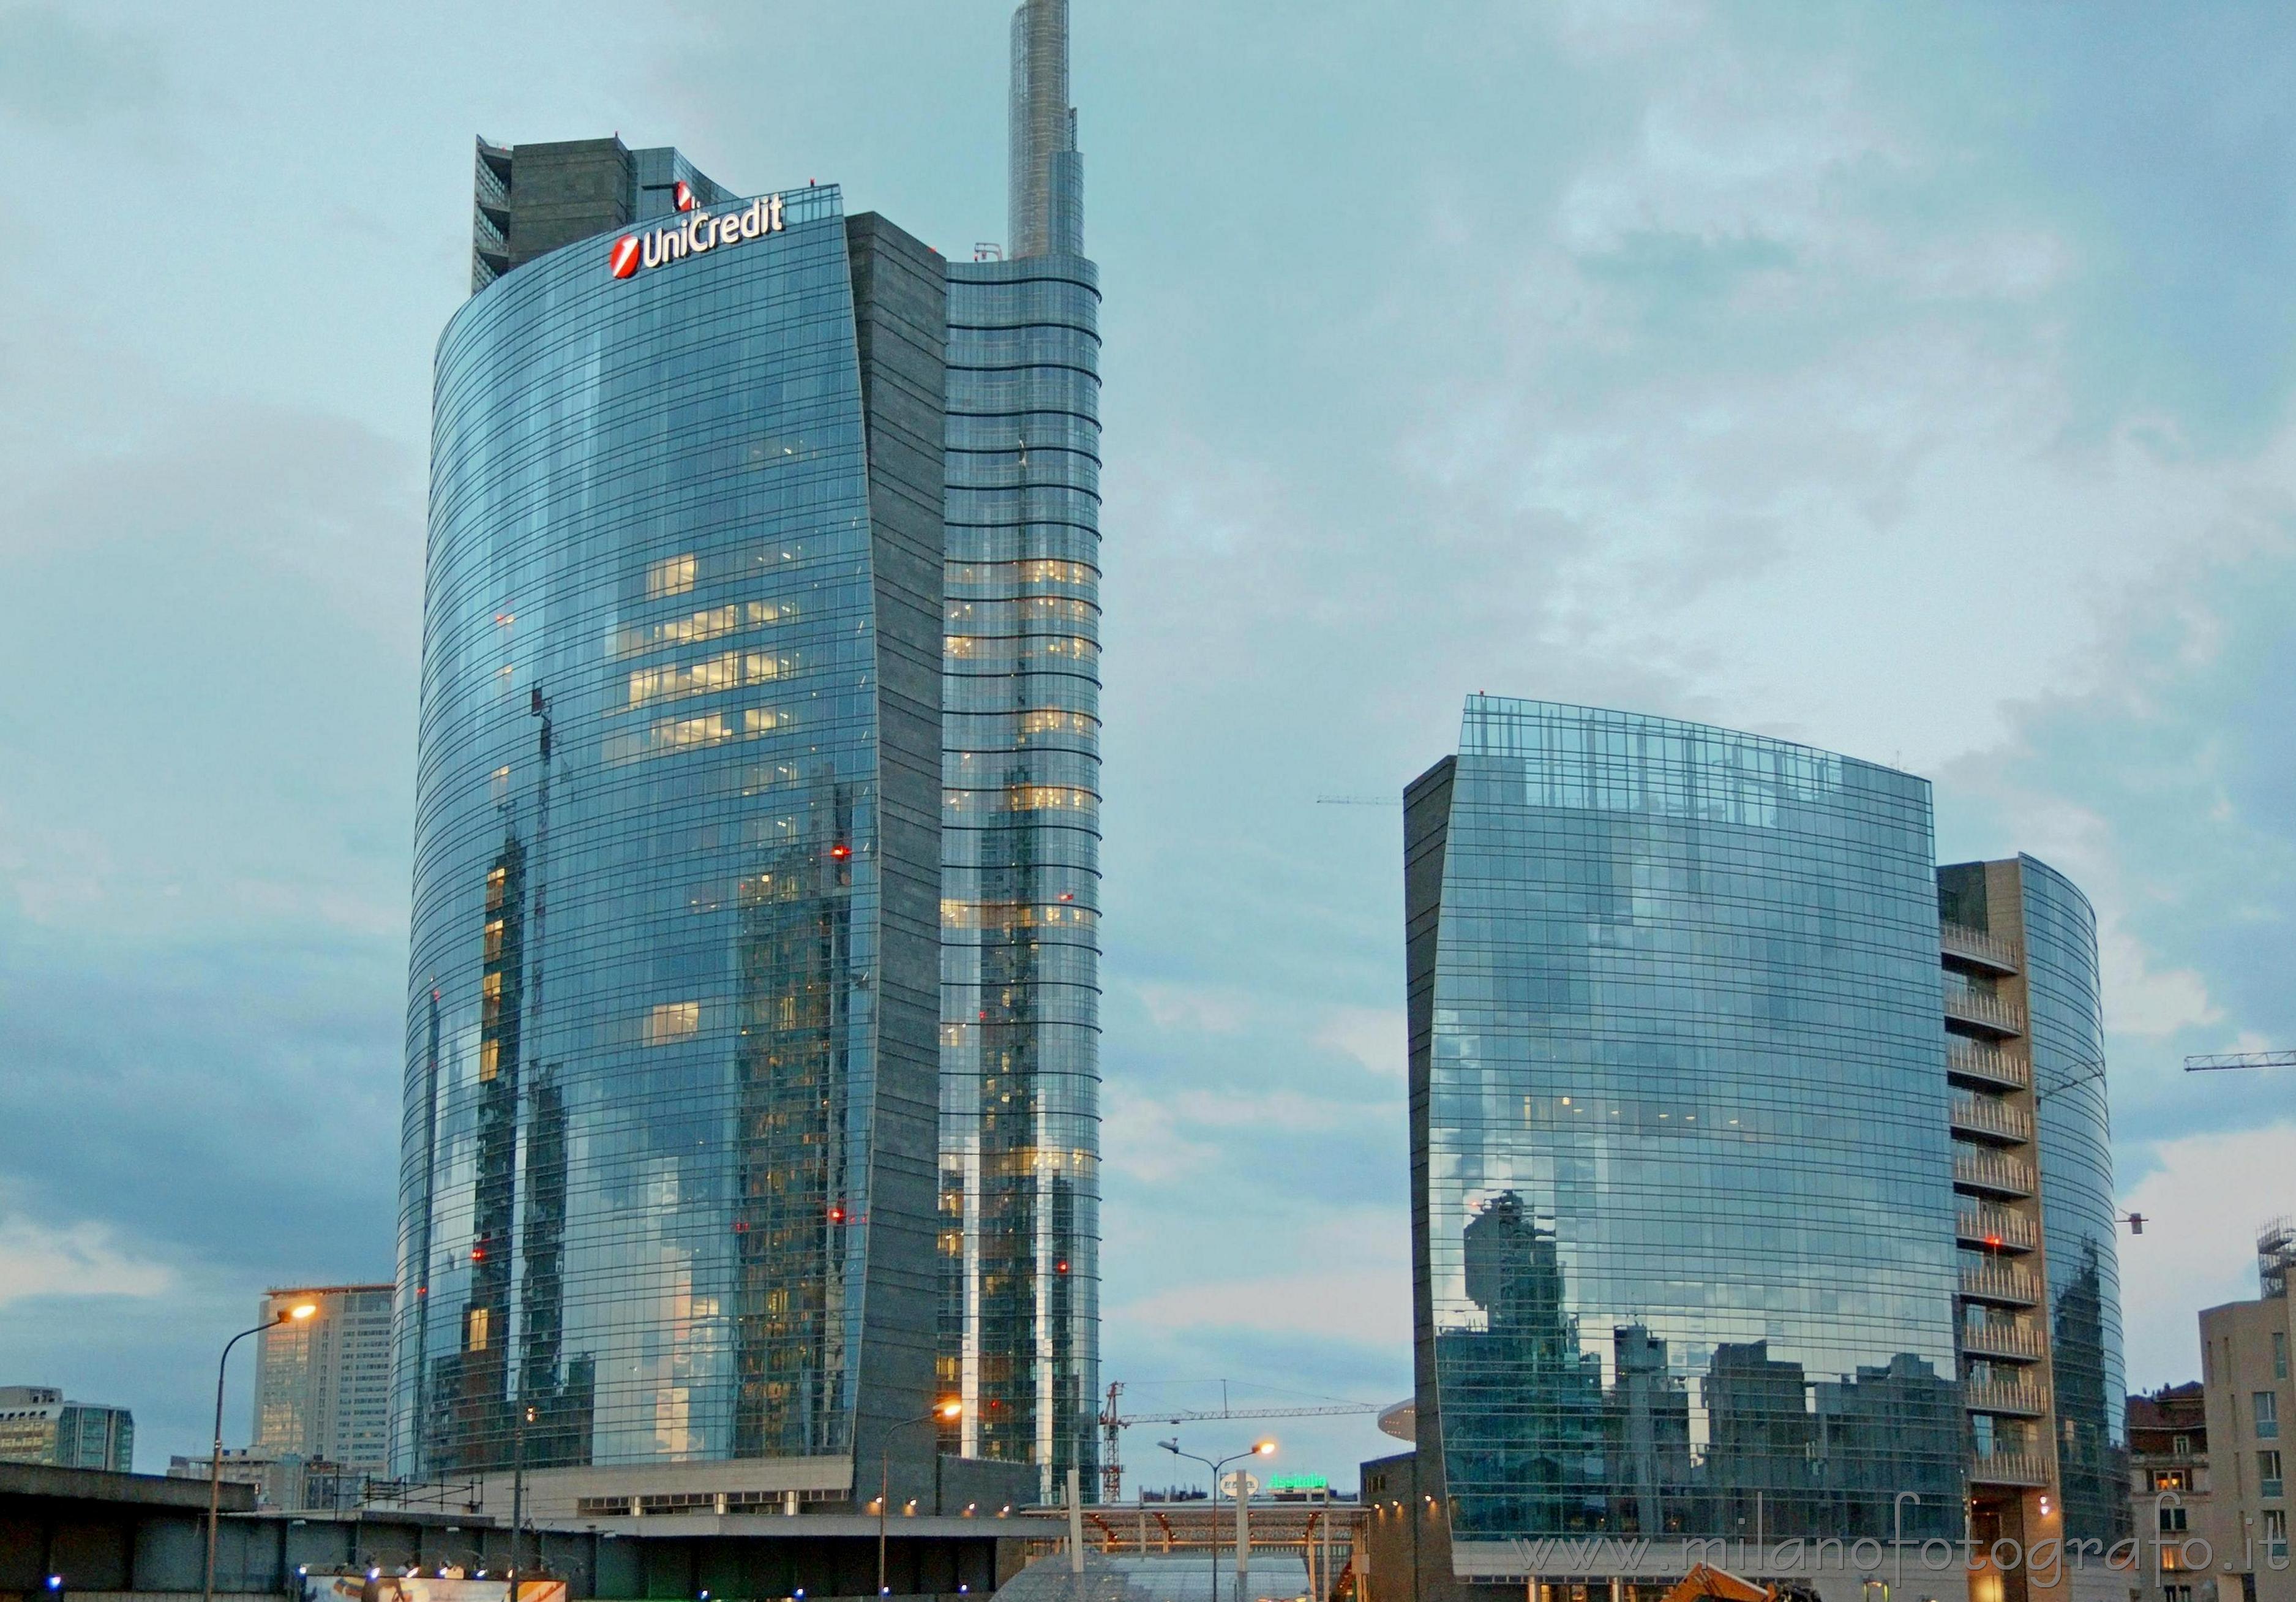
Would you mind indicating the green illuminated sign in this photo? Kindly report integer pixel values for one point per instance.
(1299, 1481)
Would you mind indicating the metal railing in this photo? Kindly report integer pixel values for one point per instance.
(1993, 1171)
(2001, 1340)
(1991, 1118)
(1997, 1226)
(1978, 946)
(1975, 1006)
(2008, 1468)
(2002, 1396)
(2000, 1282)
(1973, 1061)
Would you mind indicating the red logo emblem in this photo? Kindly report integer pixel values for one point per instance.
(684, 195)
(624, 261)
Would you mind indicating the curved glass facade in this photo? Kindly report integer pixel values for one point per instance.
(670, 1057)
(1684, 1202)
(1021, 889)
(2078, 1217)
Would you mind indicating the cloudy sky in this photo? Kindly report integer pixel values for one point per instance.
(1913, 381)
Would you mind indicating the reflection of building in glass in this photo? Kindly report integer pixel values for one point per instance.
(1021, 832)
(1677, 1063)
(668, 1191)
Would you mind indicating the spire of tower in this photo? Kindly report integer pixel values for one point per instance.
(1047, 199)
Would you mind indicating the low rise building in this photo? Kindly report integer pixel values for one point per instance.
(281, 1480)
(2244, 1376)
(2168, 1488)
(38, 1426)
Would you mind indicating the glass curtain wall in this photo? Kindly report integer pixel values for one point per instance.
(2078, 1217)
(642, 1027)
(1685, 1214)
(1021, 874)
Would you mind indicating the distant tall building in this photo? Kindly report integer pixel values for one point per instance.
(38, 1426)
(2248, 1381)
(1713, 1236)
(1019, 1159)
(322, 1383)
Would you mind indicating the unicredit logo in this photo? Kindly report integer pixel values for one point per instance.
(684, 195)
(700, 231)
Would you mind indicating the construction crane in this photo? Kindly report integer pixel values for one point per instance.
(1112, 1424)
(2240, 1059)
(1359, 801)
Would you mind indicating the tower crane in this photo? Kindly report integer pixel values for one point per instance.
(2241, 1059)
(1112, 1424)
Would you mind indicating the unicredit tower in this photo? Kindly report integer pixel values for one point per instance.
(759, 742)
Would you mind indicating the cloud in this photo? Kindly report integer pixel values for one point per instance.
(1374, 1036)
(1354, 1287)
(1204, 1009)
(85, 1259)
(2202, 1201)
(56, 70)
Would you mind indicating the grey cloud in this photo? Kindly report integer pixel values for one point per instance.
(57, 71)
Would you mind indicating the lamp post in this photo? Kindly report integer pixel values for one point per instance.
(518, 1497)
(300, 1310)
(1258, 1449)
(946, 1410)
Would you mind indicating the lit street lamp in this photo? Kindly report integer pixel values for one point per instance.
(1258, 1449)
(946, 1410)
(300, 1310)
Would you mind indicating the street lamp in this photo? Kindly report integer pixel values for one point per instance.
(526, 1416)
(942, 1410)
(1258, 1449)
(299, 1311)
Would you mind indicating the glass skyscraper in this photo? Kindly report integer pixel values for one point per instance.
(1715, 1227)
(751, 1095)
(1021, 831)
(668, 1195)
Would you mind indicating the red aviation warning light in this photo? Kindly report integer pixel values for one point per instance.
(682, 194)
(840, 850)
(624, 260)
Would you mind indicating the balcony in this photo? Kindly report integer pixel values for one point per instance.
(1965, 1005)
(1991, 1120)
(2014, 1341)
(1986, 1064)
(2008, 1468)
(2001, 1283)
(1992, 1173)
(1995, 1226)
(1976, 947)
(2013, 1397)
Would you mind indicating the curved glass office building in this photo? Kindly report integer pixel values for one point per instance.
(1020, 830)
(668, 1195)
(2080, 1218)
(1684, 1204)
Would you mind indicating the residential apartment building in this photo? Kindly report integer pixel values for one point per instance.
(2251, 1403)
(2168, 1491)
